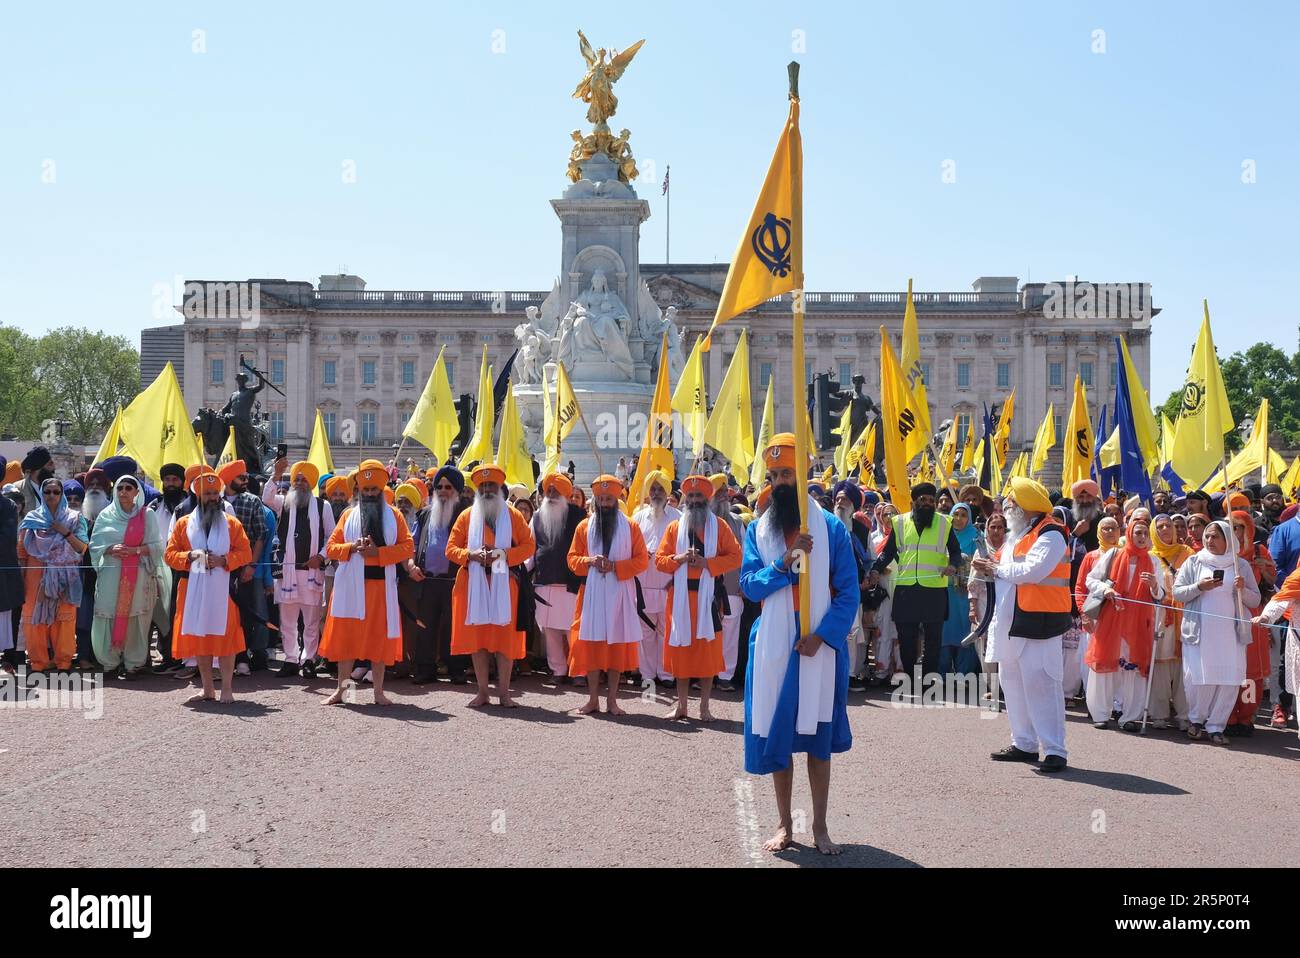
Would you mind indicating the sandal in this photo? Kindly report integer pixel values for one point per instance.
(1196, 731)
(1218, 738)
(1130, 726)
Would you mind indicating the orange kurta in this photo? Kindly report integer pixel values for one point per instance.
(59, 635)
(178, 557)
(500, 639)
(702, 658)
(585, 657)
(352, 639)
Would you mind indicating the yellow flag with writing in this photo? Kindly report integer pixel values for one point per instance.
(228, 453)
(1290, 481)
(897, 421)
(1076, 461)
(156, 427)
(968, 453)
(769, 257)
(657, 447)
(866, 459)
(1002, 434)
(563, 418)
(844, 431)
(434, 423)
(758, 471)
(948, 454)
(1045, 441)
(479, 448)
(914, 372)
(730, 428)
(689, 399)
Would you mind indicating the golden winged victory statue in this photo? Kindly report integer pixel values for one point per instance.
(597, 91)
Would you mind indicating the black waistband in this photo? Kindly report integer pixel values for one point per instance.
(374, 572)
(180, 573)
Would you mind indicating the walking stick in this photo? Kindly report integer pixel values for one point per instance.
(1151, 674)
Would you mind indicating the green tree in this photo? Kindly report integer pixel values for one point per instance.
(1261, 372)
(23, 403)
(86, 375)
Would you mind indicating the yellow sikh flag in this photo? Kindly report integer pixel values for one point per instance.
(1290, 480)
(563, 418)
(512, 446)
(925, 471)
(1253, 456)
(914, 373)
(1167, 432)
(1109, 455)
(948, 454)
(229, 452)
(320, 455)
(1076, 463)
(689, 399)
(434, 423)
(1203, 416)
(1020, 467)
(968, 453)
(112, 439)
(1276, 468)
(730, 428)
(866, 459)
(479, 448)
(769, 257)
(156, 427)
(758, 471)
(844, 431)
(657, 447)
(1044, 441)
(1002, 434)
(897, 420)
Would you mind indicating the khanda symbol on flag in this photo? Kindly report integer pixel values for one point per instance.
(1083, 444)
(771, 243)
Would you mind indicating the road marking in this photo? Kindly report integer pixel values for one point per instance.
(747, 821)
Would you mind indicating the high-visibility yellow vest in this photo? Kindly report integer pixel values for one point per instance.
(922, 556)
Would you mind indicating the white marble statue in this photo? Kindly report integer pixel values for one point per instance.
(534, 345)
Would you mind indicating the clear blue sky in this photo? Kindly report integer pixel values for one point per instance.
(1122, 166)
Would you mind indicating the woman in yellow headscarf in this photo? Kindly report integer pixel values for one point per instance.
(1168, 554)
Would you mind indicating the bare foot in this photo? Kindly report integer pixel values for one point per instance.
(675, 714)
(335, 698)
(478, 701)
(613, 709)
(825, 845)
(201, 697)
(588, 708)
(227, 697)
(778, 842)
(706, 715)
(382, 699)
(508, 703)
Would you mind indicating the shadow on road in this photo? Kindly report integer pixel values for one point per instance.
(528, 713)
(240, 708)
(851, 856)
(1118, 781)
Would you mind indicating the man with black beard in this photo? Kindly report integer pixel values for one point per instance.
(164, 507)
(430, 578)
(927, 554)
(1271, 504)
(1031, 614)
(252, 599)
(303, 526)
(557, 586)
(38, 465)
(1162, 502)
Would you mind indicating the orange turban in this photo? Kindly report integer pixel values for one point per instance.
(701, 484)
(488, 472)
(232, 470)
(389, 496)
(307, 470)
(338, 484)
(606, 486)
(764, 496)
(557, 480)
(208, 478)
(421, 487)
(779, 453)
(13, 471)
(372, 475)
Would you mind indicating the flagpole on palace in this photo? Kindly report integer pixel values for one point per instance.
(668, 213)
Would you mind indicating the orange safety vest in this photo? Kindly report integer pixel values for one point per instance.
(1053, 593)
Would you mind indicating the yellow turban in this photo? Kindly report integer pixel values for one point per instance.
(1030, 495)
(719, 479)
(307, 470)
(657, 477)
(410, 494)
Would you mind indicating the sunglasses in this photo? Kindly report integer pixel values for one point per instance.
(52, 493)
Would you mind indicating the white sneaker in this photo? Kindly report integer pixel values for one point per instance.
(242, 669)
(359, 673)
(369, 677)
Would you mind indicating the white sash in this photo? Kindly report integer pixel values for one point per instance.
(207, 596)
(776, 634)
(681, 632)
(489, 601)
(287, 590)
(349, 601)
(608, 605)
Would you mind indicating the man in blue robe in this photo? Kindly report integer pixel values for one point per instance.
(796, 689)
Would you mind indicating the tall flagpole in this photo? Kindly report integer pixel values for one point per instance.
(668, 214)
(800, 406)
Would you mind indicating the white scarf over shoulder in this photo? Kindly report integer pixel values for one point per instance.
(349, 600)
(681, 636)
(608, 605)
(776, 636)
(489, 599)
(207, 594)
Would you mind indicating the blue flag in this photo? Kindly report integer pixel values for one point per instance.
(1132, 464)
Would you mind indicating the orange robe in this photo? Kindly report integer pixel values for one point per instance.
(59, 635)
(585, 657)
(702, 658)
(178, 557)
(499, 639)
(365, 638)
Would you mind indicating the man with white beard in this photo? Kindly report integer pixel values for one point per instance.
(95, 499)
(653, 519)
(553, 527)
(303, 526)
(430, 577)
(721, 506)
(1031, 612)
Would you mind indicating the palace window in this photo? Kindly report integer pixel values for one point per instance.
(925, 374)
(963, 430)
(408, 372)
(1057, 427)
(963, 375)
(807, 370)
(217, 372)
(846, 374)
(277, 426)
(277, 371)
(369, 427)
(368, 372)
(330, 421)
(451, 372)
(1085, 373)
(764, 374)
(1056, 375)
(963, 340)
(329, 373)
(1004, 340)
(1004, 375)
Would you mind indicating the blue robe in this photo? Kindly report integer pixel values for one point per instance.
(758, 581)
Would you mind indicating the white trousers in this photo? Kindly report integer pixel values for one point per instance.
(730, 636)
(1125, 686)
(857, 643)
(290, 633)
(1031, 685)
(557, 651)
(652, 647)
(1167, 687)
(1072, 667)
(1210, 705)
(888, 659)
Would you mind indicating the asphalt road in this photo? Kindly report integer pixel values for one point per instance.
(276, 779)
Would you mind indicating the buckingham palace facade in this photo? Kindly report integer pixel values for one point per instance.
(362, 356)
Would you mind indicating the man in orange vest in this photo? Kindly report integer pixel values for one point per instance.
(1031, 613)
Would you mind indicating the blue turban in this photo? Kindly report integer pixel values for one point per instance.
(452, 475)
(850, 490)
(73, 488)
(115, 467)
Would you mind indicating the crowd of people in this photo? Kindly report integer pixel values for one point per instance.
(1174, 618)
